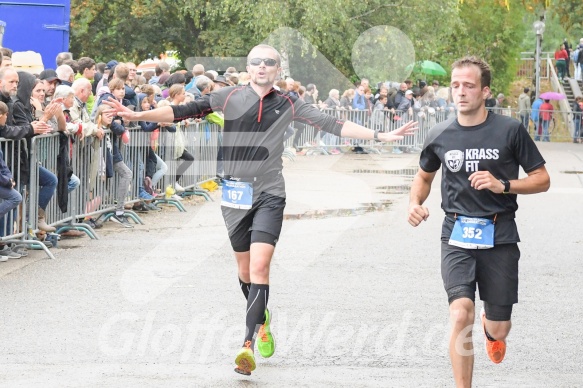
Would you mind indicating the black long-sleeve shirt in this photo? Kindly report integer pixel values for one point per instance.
(254, 129)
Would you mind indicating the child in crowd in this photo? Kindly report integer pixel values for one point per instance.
(155, 166)
(105, 120)
(117, 89)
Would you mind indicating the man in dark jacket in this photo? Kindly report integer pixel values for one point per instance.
(8, 88)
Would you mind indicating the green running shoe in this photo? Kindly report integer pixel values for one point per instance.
(265, 340)
(245, 360)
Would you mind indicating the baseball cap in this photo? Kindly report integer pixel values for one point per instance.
(48, 75)
(221, 80)
(408, 92)
(500, 95)
(111, 64)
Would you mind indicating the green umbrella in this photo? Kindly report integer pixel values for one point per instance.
(428, 67)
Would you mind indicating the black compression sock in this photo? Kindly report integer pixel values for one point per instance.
(256, 305)
(245, 288)
(489, 336)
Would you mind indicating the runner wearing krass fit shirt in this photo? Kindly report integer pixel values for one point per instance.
(256, 118)
(480, 154)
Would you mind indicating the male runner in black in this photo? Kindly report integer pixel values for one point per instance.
(256, 118)
(481, 153)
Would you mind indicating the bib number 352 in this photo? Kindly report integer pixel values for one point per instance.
(472, 233)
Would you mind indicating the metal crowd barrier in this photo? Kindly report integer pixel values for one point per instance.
(201, 140)
(91, 162)
(15, 226)
(559, 130)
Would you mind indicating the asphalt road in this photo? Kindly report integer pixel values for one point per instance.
(356, 292)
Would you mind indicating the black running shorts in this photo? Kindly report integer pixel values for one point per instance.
(265, 215)
(495, 271)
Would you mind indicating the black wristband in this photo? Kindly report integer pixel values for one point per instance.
(506, 184)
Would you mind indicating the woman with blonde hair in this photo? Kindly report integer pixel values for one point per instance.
(346, 99)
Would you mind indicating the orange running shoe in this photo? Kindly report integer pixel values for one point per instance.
(496, 350)
(245, 360)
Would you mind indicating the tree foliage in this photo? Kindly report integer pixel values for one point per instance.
(310, 32)
(492, 31)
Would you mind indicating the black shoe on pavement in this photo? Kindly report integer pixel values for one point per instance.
(122, 220)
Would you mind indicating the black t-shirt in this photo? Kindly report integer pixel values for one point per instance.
(500, 145)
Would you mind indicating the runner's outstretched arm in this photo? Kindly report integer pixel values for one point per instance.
(164, 114)
(356, 131)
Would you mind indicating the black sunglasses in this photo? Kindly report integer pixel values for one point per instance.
(267, 61)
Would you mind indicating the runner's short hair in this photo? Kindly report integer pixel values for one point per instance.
(486, 74)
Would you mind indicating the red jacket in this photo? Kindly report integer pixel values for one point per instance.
(546, 111)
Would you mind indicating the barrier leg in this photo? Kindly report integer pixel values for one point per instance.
(174, 202)
(79, 226)
(199, 192)
(33, 245)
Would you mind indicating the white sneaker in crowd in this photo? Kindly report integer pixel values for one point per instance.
(178, 188)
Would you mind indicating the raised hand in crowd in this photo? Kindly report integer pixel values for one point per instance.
(52, 109)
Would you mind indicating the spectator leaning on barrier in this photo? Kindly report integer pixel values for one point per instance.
(106, 119)
(66, 75)
(179, 151)
(311, 95)
(87, 70)
(8, 89)
(358, 102)
(155, 166)
(67, 180)
(399, 96)
(90, 134)
(10, 197)
(51, 81)
(256, 118)
(24, 113)
(346, 99)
